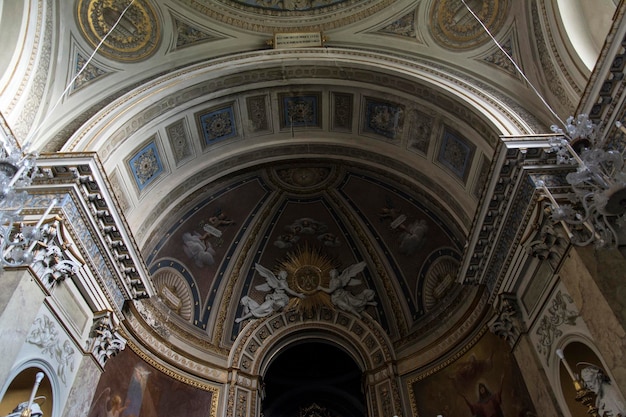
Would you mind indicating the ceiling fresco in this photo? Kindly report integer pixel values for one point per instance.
(303, 214)
(291, 4)
(287, 15)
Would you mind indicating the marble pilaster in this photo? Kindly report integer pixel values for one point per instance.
(595, 279)
(20, 300)
(535, 378)
(81, 394)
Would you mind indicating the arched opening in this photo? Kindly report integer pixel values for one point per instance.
(313, 378)
(594, 376)
(20, 389)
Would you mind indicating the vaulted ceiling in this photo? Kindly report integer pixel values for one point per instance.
(226, 149)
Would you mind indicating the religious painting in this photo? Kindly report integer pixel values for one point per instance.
(483, 382)
(130, 387)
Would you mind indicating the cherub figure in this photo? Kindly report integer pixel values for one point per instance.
(344, 299)
(198, 248)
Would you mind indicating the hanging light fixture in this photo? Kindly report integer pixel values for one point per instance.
(595, 209)
(17, 171)
(18, 168)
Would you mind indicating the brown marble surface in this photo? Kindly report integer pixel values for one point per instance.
(595, 280)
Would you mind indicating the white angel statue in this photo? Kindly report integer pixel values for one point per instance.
(607, 396)
(274, 301)
(252, 308)
(344, 299)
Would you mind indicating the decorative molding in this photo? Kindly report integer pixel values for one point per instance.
(215, 390)
(508, 200)
(55, 261)
(456, 153)
(561, 312)
(146, 165)
(119, 190)
(482, 177)
(158, 346)
(606, 105)
(507, 323)
(565, 70)
(279, 74)
(363, 334)
(100, 234)
(547, 244)
(151, 319)
(258, 113)
(304, 180)
(362, 337)
(85, 73)
(551, 76)
(105, 339)
(403, 27)
(500, 60)
(45, 335)
(300, 110)
(420, 131)
(188, 34)
(453, 27)
(174, 292)
(286, 15)
(33, 84)
(217, 124)
(180, 141)
(136, 37)
(342, 111)
(382, 118)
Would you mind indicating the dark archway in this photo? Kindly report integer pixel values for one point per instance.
(315, 376)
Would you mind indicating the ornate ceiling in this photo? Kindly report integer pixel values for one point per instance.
(376, 146)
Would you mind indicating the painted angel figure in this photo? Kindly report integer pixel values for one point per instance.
(277, 299)
(108, 405)
(344, 299)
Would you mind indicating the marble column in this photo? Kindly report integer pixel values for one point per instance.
(596, 280)
(539, 388)
(20, 300)
(85, 384)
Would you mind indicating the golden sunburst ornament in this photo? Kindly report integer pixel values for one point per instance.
(308, 270)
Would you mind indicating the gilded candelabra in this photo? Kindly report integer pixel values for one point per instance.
(583, 395)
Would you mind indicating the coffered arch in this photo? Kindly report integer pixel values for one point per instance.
(361, 338)
(422, 94)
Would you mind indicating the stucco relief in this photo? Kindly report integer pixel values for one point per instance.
(54, 345)
(455, 27)
(132, 33)
(288, 15)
